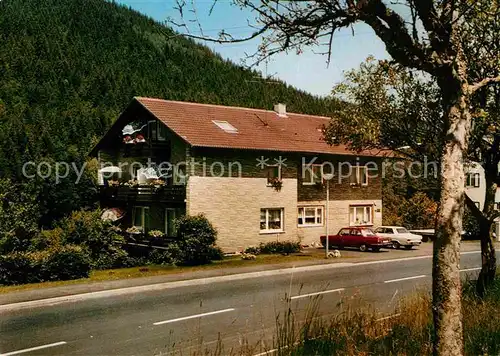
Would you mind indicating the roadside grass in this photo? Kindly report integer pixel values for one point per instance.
(159, 270)
(409, 331)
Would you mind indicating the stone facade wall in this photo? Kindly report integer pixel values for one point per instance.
(233, 206)
(243, 163)
(340, 187)
(338, 217)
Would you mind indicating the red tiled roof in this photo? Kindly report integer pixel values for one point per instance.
(257, 129)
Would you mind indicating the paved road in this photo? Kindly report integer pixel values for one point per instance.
(239, 313)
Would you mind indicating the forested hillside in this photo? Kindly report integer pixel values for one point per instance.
(67, 69)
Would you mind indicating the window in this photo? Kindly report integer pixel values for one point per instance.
(402, 230)
(161, 131)
(180, 174)
(158, 130)
(273, 172)
(310, 216)
(225, 126)
(344, 232)
(497, 206)
(473, 180)
(140, 217)
(170, 222)
(311, 174)
(367, 232)
(271, 220)
(385, 230)
(361, 215)
(359, 175)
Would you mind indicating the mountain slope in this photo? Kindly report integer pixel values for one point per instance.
(69, 67)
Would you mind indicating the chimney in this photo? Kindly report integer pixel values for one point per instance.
(280, 109)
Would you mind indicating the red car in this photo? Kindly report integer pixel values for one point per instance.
(360, 237)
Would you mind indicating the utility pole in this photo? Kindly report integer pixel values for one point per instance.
(327, 214)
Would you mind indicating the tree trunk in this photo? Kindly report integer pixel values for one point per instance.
(446, 286)
(488, 258)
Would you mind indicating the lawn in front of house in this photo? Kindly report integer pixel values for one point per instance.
(158, 270)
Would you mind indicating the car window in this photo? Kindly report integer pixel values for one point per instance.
(344, 232)
(380, 230)
(388, 230)
(355, 232)
(401, 230)
(368, 232)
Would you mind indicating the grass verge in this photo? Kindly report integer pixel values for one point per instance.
(408, 332)
(158, 270)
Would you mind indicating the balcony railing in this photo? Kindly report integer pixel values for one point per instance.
(169, 193)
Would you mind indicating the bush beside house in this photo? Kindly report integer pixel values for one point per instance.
(195, 244)
(87, 229)
(275, 247)
(82, 242)
(77, 244)
(57, 263)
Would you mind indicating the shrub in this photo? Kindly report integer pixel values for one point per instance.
(47, 239)
(276, 247)
(216, 254)
(196, 240)
(85, 228)
(66, 262)
(57, 263)
(19, 268)
(161, 257)
(252, 250)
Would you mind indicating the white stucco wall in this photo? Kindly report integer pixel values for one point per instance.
(477, 194)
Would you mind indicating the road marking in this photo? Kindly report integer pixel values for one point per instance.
(317, 293)
(34, 348)
(194, 316)
(470, 269)
(405, 279)
(388, 317)
(469, 252)
(404, 259)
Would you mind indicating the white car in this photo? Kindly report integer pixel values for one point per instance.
(399, 236)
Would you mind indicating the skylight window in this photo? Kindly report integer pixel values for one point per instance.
(226, 126)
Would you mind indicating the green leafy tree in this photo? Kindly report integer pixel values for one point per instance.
(88, 230)
(388, 102)
(18, 217)
(429, 40)
(482, 45)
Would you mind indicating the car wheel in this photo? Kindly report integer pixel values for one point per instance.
(363, 248)
(409, 247)
(396, 245)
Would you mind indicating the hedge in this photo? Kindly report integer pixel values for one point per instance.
(275, 247)
(57, 263)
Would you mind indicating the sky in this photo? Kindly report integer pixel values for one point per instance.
(308, 71)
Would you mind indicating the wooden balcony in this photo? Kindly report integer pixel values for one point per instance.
(165, 194)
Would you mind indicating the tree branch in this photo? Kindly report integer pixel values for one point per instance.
(478, 214)
(487, 81)
(391, 29)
